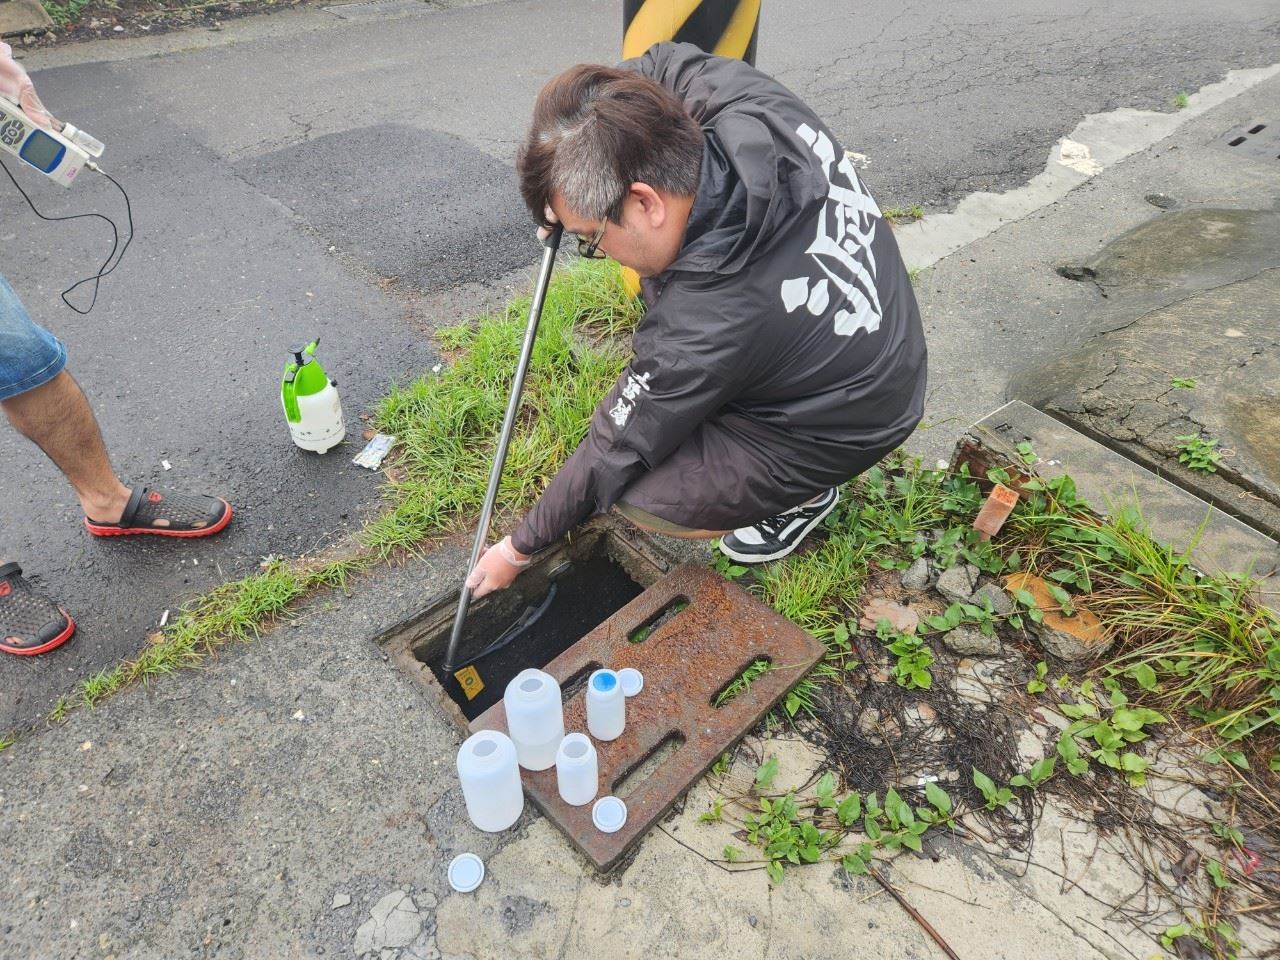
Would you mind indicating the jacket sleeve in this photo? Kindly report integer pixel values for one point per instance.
(660, 398)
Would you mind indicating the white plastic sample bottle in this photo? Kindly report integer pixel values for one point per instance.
(577, 770)
(606, 705)
(535, 717)
(490, 780)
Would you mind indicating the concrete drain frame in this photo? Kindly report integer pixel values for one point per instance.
(691, 633)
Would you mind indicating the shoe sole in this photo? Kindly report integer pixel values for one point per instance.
(57, 641)
(104, 531)
(754, 558)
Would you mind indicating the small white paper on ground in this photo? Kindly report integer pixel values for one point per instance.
(375, 451)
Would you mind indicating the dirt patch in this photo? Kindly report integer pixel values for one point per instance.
(138, 18)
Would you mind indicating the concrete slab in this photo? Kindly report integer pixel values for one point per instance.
(1202, 286)
(22, 16)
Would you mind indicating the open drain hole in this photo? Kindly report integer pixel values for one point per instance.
(668, 613)
(1236, 142)
(752, 670)
(589, 590)
(1258, 129)
(648, 765)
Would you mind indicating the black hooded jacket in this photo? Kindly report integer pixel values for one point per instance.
(788, 303)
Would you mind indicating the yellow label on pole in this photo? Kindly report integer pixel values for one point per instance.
(469, 679)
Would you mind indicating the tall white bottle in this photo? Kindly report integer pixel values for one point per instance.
(490, 780)
(606, 706)
(535, 717)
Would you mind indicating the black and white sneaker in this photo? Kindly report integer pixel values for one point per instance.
(776, 537)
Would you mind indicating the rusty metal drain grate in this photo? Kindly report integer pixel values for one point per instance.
(1259, 140)
(674, 732)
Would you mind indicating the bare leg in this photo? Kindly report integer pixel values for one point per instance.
(57, 418)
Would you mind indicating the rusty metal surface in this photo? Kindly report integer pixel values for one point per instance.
(686, 661)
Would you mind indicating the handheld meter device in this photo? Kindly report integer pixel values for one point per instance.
(60, 156)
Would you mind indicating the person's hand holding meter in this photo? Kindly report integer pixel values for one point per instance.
(16, 87)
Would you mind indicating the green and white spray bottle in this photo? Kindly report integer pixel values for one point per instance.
(311, 404)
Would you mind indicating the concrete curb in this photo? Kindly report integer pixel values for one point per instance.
(1098, 142)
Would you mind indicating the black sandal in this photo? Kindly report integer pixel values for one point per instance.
(30, 622)
(166, 515)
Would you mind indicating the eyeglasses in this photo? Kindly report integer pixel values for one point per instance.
(589, 248)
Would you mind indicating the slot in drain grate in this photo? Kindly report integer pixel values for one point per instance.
(1259, 140)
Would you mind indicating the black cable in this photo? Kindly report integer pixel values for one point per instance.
(107, 265)
(526, 620)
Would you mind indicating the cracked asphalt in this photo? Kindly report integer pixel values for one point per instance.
(301, 175)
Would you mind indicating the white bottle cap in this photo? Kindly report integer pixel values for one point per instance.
(631, 680)
(609, 814)
(465, 872)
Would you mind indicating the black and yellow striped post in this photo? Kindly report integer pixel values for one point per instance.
(727, 28)
(724, 27)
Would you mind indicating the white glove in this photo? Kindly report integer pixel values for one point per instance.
(16, 87)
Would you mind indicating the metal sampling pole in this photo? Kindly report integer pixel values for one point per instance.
(551, 245)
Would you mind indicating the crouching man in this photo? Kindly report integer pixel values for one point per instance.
(781, 353)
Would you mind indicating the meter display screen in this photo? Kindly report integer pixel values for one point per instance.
(42, 151)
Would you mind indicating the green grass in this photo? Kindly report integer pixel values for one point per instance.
(1189, 642)
(1180, 101)
(64, 13)
(753, 672)
(896, 215)
(446, 426)
(1186, 641)
(1199, 453)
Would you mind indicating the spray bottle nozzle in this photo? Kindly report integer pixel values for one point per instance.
(304, 354)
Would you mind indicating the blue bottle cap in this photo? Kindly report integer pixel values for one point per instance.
(604, 680)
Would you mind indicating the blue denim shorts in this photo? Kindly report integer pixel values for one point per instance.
(30, 356)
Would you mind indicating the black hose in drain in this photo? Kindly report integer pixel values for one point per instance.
(523, 623)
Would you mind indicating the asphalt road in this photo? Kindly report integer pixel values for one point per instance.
(348, 177)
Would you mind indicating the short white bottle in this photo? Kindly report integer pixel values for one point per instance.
(490, 780)
(606, 705)
(577, 770)
(535, 717)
